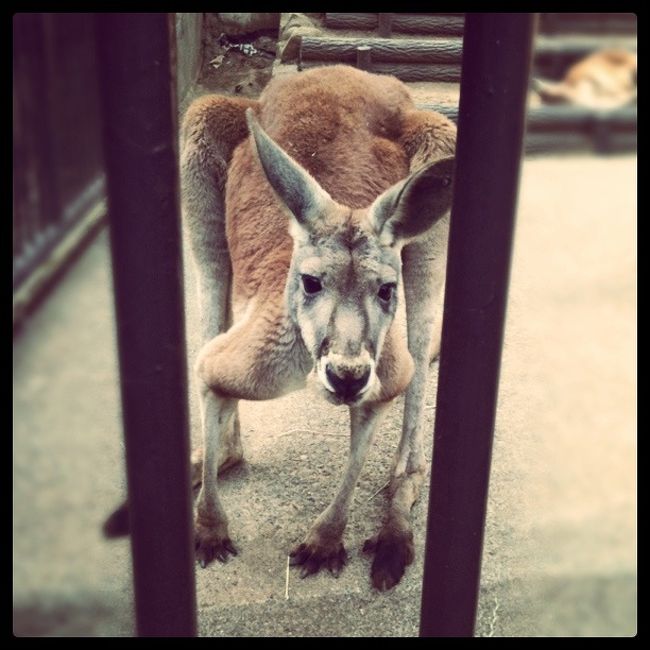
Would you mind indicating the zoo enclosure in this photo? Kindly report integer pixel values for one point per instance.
(58, 180)
(44, 142)
(142, 176)
(59, 185)
(58, 175)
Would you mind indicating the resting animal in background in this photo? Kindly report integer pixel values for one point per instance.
(305, 236)
(603, 80)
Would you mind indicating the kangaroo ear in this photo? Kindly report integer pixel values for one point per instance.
(296, 188)
(412, 206)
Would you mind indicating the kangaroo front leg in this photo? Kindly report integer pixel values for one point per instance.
(212, 538)
(393, 547)
(423, 272)
(323, 545)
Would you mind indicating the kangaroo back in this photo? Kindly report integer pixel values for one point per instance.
(344, 127)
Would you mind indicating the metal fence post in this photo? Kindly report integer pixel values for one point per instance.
(140, 135)
(494, 86)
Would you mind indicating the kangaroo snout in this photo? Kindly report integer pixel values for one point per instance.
(346, 384)
(347, 377)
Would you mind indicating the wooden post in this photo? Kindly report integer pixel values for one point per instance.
(385, 25)
(364, 53)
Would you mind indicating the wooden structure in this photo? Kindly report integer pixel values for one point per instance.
(429, 48)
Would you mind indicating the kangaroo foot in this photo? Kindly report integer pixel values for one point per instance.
(393, 552)
(312, 557)
(212, 542)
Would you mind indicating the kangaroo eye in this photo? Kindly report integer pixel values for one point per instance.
(311, 284)
(385, 292)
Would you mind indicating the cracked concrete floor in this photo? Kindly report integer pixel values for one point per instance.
(560, 544)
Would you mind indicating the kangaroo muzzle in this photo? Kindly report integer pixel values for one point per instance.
(347, 377)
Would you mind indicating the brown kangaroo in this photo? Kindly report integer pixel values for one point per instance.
(305, 236)
(603, 80)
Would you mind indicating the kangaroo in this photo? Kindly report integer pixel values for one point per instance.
(603, 80)
(310, 213)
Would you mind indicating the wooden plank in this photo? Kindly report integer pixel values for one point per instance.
(553, 117)
(592, 23)
(404, 71)
(549, 142)
(577, 46)
(552, 55)
(409, 23)
(562, 118)
(567, 139)
(440, 50)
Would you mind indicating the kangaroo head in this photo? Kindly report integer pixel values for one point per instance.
(341, 290)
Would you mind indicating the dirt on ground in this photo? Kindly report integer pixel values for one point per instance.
(242, 65)
(236, 65)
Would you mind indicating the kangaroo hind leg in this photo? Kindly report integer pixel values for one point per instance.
(212, 128)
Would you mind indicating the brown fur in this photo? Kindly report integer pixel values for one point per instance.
(328, 130)
(358, 135)
(604, 79)
(218, 122)
(327, 139)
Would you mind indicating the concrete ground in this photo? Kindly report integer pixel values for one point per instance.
(560, 544)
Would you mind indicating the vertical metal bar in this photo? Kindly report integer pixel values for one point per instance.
(140, 134)
(494, 85)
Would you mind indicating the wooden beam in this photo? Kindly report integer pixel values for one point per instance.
(404, 71)
(409, 23)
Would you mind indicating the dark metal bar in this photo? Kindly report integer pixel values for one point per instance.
(494, 85)
(140, 132)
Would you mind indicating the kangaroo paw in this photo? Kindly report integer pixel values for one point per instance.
(213, 543)
(312, 558)
(393, 552)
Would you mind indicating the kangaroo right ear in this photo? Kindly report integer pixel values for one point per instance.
(296, 188)
(409, 208)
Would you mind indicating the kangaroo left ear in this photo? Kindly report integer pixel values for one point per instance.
(296, 188)
(412, 206)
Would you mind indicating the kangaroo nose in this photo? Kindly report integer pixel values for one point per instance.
(346, 385)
